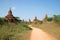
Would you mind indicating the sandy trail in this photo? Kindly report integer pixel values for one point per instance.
(38, 34)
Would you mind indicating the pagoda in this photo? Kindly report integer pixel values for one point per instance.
(10, 17)
(35, 20)
(29, 21)
(46, 16)
(22, 21)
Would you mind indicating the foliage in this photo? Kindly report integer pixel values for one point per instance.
(17, 19)
(12, 31)
(56, 19)
(49, 19)
(2, 21)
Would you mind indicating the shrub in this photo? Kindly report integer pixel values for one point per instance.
(17, 19)
(2, 21)
(49, 19)
(10, 31)
(56, 18)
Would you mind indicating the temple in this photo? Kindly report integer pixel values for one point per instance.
(10, 17)
(46, 16)
(29, 21)
(22, 21)
(35, 20)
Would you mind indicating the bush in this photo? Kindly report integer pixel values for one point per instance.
(49, 19)
(12, 31)
(17, 19)
(56, 18)
(2, 21)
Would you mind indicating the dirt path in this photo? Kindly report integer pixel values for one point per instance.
(38, 34)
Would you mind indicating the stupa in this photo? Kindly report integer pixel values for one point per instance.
(10, 17)
(29, 21)
(45, 18)
(35, 20)
(22, 21)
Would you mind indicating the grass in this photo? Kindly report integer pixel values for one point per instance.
(50, 27)
(12, 31)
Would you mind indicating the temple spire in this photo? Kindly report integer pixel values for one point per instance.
(10, 17)
(10, 12)
(46, 16)
(35, 18)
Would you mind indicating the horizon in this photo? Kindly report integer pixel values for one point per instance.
(28, 9)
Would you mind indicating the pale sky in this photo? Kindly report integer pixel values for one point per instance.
(26, 9)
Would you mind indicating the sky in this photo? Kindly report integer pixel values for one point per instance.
(28, 9)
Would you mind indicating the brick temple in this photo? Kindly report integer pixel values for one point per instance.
(10, 17)
(46, 16)
(29, 21)
(35, 20)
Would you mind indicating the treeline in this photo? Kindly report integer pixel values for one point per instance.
(3, 20)
(55, 18)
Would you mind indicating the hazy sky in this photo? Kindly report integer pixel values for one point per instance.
(26, 9)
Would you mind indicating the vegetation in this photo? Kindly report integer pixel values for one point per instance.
(56, 18)
(17, 19)
(11, 31)
(14, 32)
(49, 19)
(2, 21)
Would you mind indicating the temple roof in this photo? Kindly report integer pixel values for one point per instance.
(35, 19)
(46, 16)
(10, 12)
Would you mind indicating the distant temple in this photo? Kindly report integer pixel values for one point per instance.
(46, 16)
(10, 17)
(22, 21)
(35, 20)
(29, 21)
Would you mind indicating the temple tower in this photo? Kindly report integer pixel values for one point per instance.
(10, 17)
(23, 21)
(35, 20)
(29, 21)
(45, 18)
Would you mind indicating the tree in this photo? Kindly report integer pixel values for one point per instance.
(2, 21)
(17, 19)
(49, 19)
(56, 18)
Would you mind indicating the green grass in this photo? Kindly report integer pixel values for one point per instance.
(51, 28)
(12, 31)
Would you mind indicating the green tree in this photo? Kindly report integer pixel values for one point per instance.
(56, 18)
(49, 19)
(17, 19)
(2, 21)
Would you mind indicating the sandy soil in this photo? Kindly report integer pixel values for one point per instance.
(38, 34)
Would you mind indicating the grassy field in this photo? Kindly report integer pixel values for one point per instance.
(11, 31)
(50, 27)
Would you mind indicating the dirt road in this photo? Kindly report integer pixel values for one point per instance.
(38, 34)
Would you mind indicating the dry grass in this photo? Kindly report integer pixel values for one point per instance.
(11, 31)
